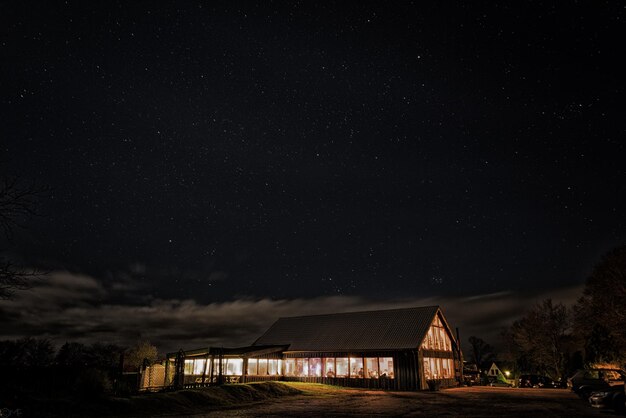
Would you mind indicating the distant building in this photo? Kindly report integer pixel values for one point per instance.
(495, 376)
(494, 371)
(399, 349)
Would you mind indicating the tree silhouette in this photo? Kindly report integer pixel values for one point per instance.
(141, 351)
(540, 337)
(604, 303)
(26, 353)
(482, 352)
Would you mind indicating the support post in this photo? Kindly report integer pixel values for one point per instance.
(179, 376)
(460, 355)
(206, 364)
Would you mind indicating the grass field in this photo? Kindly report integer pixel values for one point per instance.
(274, 399)
(178, 403)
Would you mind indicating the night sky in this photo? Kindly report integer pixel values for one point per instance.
(283, 158)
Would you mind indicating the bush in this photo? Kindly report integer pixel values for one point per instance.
(92, 383)
(434, 385)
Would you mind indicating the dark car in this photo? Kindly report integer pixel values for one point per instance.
(584, 382)
(536, 381)
(612, 397)
(619, 400)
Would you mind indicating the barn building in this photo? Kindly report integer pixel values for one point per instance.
(399, 349)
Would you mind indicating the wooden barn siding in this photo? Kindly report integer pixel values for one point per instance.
(422, 377)
(407, 370)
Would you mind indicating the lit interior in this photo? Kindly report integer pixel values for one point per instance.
(437, 337)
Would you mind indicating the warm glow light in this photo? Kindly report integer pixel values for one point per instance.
(507, 373)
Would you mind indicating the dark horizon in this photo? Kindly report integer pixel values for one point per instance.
(232, 162)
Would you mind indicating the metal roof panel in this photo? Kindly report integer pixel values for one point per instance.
(371, 330)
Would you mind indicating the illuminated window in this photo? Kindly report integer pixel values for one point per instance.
(437, 337)
(252, 367)
(290, 367)
(371, 367)
(273, 367)
(434, 366)
(198, 366)
(188, 366)
(328, 365)
(315, 367)
(438, 368)
(342, 367)
(447, 370)
(385, 366)
(427, 372)
(263, 367)
(356, 367)
(194, 366)
(302, 367)
(233, 366)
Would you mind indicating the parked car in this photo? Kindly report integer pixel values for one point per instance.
(584, 382)
(536, 381)
(619, 400)
(612, 397)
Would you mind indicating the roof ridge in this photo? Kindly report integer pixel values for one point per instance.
(356, 312)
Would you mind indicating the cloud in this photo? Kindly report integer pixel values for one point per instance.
(485, 316)
(60, 289)
(71, 307)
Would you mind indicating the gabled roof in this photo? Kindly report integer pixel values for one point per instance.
(494, 367)
(394, 329)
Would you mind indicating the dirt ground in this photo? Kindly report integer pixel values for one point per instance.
(320, 400)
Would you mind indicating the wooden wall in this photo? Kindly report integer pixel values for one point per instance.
(407, 370)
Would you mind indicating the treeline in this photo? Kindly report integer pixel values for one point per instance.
(33, 366)
(554, 340)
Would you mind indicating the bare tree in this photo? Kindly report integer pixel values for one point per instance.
(141, 352)
(18, 202)
(13, 278)
(482, 352)
(540, 336)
